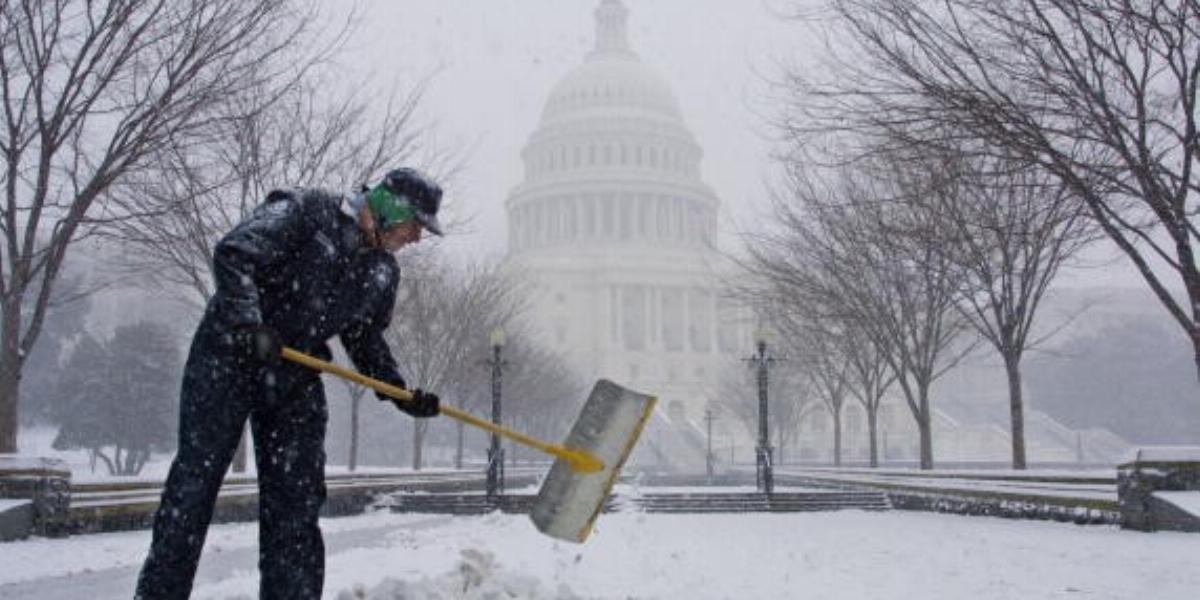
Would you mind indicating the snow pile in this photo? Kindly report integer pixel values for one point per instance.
(1188, 502)
(477, 577)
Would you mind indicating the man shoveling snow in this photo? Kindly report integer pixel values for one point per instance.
(300, 270)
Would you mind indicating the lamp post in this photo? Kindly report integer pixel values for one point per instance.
(763, 474)
(495, 471)
(708, 457)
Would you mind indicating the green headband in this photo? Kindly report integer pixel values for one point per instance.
(388, 208)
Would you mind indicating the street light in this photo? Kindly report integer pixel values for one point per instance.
(764, 477)
(708, 457)
(495, 471)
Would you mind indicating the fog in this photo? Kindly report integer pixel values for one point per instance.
(491, 65)
(494, 63)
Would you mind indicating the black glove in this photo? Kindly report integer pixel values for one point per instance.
(259, 342)
(424, 404)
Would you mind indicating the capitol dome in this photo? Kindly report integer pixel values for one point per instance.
(615, 231)
(611, 82)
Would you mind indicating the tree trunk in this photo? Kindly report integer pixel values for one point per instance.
(873, 433)
(108, 463)
(10, 378)
(926, 432)
(458, 449)
(1012, 367)
(925, 425)
(352, 461)
(837, 438)
(418, 441)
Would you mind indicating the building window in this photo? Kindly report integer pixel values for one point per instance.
(570, 226)
(633, 317)
(663, 219)
(672, 319)
(626, 217)
(589, 217)
(643, 221)
(607, 209)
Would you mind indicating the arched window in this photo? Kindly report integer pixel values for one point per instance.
(609, 219)
(645, 210)
(570, 225)
(589, 217)
(663, 218)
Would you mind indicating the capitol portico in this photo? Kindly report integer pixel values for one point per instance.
(614, 227)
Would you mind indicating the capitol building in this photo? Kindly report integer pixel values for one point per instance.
(616, 230)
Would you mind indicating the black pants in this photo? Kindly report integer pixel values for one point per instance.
(287, 415)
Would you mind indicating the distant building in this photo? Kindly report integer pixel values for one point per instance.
(616, 231)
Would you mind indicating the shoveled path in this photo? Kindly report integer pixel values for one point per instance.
(218, 562)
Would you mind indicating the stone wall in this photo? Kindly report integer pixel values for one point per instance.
(1150, 470)
(46, 483)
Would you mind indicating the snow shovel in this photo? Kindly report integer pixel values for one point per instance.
(586, 465)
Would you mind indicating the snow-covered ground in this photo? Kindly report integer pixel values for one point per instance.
(836, 555)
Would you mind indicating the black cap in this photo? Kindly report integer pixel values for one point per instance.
(422, 193)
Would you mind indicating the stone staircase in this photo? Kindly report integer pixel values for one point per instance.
(680, 502)
(708, 502)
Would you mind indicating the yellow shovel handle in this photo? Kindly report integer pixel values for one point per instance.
(579, 460)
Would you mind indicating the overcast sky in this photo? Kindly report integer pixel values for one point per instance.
(497, 60)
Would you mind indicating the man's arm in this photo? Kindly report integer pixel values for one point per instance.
(268, 237)
(364, 342)
(363, 338)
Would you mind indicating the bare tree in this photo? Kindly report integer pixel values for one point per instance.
(1007, 228)
(542, 393)
(90, 90)
(439, 319)
(869, 378)
(299, 132)
(847, 250)
(1101, 94)
(302, 130)
(827, 371)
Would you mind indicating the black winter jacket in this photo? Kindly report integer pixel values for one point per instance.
(302, 266)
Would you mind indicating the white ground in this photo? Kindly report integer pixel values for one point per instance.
(841, 555)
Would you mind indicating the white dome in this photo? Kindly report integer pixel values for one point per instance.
(611, 82)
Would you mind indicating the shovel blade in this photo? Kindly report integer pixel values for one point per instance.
(608, 427)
